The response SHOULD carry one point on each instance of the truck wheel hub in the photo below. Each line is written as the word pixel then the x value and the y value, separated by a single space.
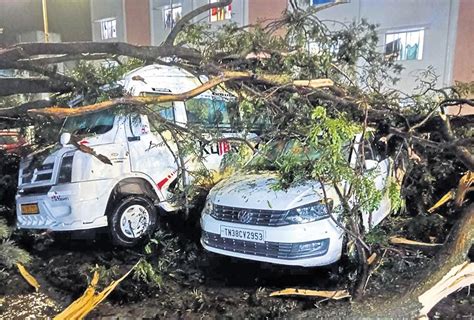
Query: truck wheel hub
pixel 135 221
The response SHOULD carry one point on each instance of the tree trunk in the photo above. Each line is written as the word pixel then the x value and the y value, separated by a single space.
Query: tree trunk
pixel 453 254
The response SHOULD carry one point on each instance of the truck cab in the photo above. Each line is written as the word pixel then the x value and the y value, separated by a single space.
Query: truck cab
pixel 66 189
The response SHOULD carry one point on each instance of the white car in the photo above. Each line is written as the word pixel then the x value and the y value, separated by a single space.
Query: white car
pixel 245 217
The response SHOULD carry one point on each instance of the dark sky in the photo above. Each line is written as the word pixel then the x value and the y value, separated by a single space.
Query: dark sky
pixel 70 18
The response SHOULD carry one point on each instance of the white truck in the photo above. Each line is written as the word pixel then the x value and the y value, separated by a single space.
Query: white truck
pixel 70 190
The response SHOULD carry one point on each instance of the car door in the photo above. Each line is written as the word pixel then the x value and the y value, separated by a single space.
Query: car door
pixel 380 168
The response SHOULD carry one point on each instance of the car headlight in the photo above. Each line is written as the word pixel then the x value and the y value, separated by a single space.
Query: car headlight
pixel 309 213
pixel 208 208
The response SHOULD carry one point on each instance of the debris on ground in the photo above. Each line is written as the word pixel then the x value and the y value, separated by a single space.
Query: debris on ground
pixel 335 295
pixel 28 277
pixel 90 299
pixel 35 305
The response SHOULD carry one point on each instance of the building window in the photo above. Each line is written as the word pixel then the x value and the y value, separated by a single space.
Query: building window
pixel 171 16
pixel 220 14
pixel 406 45
pixel 108 29
pixel 321 2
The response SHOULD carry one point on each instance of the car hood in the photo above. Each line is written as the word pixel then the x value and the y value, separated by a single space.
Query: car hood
pixel 257 191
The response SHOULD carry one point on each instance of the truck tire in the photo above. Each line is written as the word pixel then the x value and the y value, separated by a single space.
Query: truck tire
pixel 132 221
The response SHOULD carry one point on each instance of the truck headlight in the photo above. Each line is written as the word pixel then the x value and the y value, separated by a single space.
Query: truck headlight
pixel 308 213
pixel 65 171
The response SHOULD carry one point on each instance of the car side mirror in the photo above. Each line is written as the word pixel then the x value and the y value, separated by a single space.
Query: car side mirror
pixel 65 138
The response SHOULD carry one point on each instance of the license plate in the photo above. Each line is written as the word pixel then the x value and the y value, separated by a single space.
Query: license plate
pixel 30 208
pixel 243 234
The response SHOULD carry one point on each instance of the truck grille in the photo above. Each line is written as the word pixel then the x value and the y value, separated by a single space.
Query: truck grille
pixel 277 250
pixel 257 217
pixel 42 174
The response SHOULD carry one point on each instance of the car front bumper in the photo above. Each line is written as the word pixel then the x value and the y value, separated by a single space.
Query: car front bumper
pixel 311 244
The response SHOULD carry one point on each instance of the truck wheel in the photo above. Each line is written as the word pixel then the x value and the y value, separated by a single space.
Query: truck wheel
pixel 132 221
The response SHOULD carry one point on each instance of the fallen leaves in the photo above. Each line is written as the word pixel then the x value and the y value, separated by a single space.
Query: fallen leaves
pixel 28 277
pixel 90 299
pixel 334 295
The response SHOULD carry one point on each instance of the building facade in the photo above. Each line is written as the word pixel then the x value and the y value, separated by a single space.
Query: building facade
pixel 420 33
pixel 148 22
pixel 22 20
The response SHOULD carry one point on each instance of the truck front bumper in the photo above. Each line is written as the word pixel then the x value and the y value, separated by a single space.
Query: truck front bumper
pixel 67 207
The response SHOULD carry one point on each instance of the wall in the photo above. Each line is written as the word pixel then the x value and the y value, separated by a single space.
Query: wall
pixel 464 51
pixel 103 9
pixel 438 17
pixel 262 10
pixel 240 14
pixel 70 19
pixel 137 14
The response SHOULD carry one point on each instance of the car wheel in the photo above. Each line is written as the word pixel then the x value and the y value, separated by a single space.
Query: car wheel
pixel 132 221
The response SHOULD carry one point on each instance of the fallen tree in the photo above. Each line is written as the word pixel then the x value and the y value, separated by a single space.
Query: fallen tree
pixel 276 77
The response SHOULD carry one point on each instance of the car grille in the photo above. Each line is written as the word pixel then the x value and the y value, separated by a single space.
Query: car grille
pixel 278 250
pixel 250 216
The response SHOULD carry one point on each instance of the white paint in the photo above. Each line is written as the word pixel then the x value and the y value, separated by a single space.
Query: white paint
pixel 251 192
pixel 135 150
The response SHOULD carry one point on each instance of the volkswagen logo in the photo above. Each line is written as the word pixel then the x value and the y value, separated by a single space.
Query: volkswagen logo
pixel 244 216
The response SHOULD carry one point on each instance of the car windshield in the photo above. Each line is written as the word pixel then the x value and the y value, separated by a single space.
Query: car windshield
pixel 94 123
pixel 268 157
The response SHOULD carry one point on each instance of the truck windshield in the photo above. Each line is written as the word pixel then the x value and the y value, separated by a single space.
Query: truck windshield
pixel 94 123
pixel 209 111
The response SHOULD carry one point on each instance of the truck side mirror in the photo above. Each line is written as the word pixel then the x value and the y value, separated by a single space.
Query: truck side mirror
pixel 65 138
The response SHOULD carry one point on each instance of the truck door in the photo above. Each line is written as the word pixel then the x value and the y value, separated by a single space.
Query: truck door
pixel 149 155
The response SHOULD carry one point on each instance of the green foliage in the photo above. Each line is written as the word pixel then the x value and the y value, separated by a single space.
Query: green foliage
pixel 106 275
pixel 4 229
pixel 377 236
pixel 10 254
pixel 95 76
pixel 145 272
pixel 394 194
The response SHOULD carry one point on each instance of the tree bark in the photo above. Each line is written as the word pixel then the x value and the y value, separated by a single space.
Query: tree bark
pixel 23 108
pixel 143 100
pixel 9 86
pixel 452 254
pixel 147 53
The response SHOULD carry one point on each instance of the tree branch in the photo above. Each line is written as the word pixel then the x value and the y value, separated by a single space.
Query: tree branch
pixel 28 66
pixel 9 86
pixel 143 100
pixel 23 108
pixel 188 17
pixel 68 57
pixel 148 53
